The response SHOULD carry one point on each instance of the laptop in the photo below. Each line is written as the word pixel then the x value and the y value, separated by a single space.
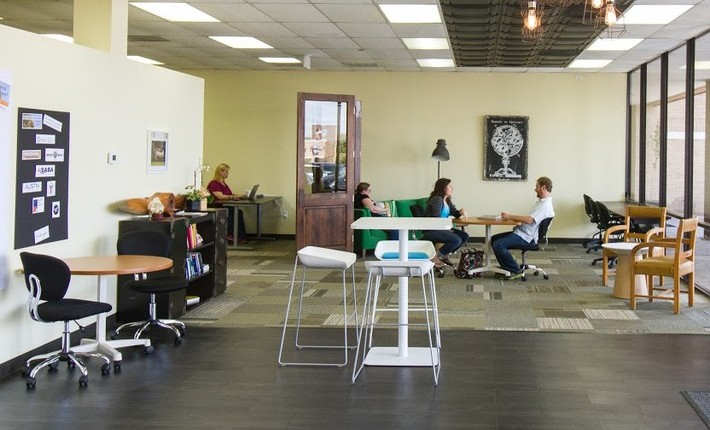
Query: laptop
pixel 252 194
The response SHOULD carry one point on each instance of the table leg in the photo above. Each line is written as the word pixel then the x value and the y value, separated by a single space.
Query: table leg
pixel 100 344
pixel 622 288
pixel 402 355
pixel 488 267
pixel 235 230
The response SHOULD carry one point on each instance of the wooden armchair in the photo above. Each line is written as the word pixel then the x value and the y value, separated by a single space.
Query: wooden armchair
pixel 679 262
pixel 641 224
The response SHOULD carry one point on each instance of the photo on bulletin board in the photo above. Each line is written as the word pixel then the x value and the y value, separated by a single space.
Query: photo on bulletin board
pixel 506 148
pixel 157 151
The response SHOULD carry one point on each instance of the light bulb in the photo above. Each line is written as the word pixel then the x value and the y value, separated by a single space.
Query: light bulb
pixel 610 16
pixel 531 21
pixel 596 4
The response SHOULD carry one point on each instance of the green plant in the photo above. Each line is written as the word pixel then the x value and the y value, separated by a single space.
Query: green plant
pixel 194 193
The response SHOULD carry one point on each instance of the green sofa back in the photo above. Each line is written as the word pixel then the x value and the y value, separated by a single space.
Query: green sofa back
pixel 402 206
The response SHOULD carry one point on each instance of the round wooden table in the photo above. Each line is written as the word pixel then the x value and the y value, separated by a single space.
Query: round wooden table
pixel 112 265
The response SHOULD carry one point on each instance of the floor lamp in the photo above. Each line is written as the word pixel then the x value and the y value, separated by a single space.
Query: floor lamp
pixel 440 154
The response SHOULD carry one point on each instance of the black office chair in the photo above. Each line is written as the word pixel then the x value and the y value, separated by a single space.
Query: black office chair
pixel 539 245
pixel 156 243
pixel 47 279
pixel 590 209
pixel 605 220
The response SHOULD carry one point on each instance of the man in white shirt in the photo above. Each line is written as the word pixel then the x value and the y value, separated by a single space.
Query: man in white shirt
pixel 526 232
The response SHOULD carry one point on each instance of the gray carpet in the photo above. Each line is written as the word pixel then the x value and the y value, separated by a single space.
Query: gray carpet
pixel 572 300
pixel 700 401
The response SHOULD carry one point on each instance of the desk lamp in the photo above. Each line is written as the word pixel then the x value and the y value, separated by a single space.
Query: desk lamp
pixel 440 154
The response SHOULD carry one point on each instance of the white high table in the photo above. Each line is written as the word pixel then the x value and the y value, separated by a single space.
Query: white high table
pixel 402 354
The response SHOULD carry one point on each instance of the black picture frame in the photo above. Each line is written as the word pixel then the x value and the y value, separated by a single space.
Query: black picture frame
pixel 506 148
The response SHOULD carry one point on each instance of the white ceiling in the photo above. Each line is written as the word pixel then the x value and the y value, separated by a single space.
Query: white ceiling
pixel 338 35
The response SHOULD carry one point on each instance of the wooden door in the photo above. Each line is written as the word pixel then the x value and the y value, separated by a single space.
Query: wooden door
pixel 326 148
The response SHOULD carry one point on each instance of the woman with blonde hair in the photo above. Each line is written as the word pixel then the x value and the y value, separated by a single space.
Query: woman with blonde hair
pixel 221 193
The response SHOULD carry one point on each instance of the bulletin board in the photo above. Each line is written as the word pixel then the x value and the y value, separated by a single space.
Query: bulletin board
pixel 42 186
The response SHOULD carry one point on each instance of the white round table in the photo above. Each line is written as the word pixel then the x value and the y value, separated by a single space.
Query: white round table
pixel 622 289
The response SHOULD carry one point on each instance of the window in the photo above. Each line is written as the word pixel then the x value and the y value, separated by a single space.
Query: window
pixel 675 162
pixel 653 133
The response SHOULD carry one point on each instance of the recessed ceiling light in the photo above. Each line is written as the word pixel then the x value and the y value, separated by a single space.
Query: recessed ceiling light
pixel 280 60
pixel 411 13
pixel 175 12
pixel 426 43
pixel 654 14
pixel 60 37
pixel 613 44
pixel 588 64
pixel 143 60
pixel 241 42
pixel 436 62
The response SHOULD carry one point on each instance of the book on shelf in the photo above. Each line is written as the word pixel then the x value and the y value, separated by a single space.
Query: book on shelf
pixel 193 264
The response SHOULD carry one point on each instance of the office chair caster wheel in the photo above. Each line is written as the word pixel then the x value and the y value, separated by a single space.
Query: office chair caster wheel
pixel 106 369
pixel 114 336
pixel 116 367
pixel 52 367
pixel 594 263
pixel 182 332
pixel 149 349
pixel 545 277
pixel 83 381
pixel 178 340
pixel 70 364
pixel 25 371
pixel 31 383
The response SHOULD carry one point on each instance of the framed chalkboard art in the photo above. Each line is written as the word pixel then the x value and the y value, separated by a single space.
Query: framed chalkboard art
pixel 506 148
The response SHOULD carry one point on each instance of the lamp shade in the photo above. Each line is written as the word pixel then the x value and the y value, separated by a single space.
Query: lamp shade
pixel 440 152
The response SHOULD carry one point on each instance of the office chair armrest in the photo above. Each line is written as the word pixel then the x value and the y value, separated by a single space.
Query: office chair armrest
pixel 655 233
pixel 653 244
pixel 611 230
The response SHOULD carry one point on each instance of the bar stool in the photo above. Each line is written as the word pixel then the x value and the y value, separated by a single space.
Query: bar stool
pixel 415 268
pixel 417 250
pixel 313 257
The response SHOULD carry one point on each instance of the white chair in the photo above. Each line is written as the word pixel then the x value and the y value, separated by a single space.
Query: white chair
pixel 313 257
pixel 418 250
pixel 415 268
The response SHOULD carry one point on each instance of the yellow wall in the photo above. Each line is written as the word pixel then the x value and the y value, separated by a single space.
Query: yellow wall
pixel 577 135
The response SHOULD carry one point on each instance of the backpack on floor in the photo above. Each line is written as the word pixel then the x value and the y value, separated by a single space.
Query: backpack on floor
pixel 471 258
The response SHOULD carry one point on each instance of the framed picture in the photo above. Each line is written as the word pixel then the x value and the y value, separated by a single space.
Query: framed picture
pixel 157 151
pixel 506 148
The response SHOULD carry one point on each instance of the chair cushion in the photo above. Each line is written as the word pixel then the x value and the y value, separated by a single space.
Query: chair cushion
pixel 70 309
pixel 157 285
pixel 412 256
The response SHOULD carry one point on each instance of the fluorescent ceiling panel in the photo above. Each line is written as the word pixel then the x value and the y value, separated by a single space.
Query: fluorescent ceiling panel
pixel 654 14
pixel 241 42
pixel 280 60
pixel 588 64
pixel 175 12
pixel 411 13
pixel 144 60
pixel 613 44
pixel 426 42
pixel 436 62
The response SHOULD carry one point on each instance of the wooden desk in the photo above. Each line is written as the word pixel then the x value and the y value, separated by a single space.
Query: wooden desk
pixel 402 355
pixel 258 202
pixel 112 265
pixel 488 222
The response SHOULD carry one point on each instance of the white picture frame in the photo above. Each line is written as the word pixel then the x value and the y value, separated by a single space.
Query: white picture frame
pixel 157 151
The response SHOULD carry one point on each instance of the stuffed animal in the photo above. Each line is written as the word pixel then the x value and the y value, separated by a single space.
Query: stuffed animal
pixel 139 206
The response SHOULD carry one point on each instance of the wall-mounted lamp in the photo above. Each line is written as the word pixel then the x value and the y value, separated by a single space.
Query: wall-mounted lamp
pixel 440 154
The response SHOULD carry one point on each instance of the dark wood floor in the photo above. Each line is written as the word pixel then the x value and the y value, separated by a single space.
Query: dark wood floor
pixel 229 379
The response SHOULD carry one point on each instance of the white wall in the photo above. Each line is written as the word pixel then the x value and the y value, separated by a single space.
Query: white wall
pixel 113 102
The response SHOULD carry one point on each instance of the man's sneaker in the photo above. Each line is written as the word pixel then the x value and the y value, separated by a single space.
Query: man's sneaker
pixel 515 276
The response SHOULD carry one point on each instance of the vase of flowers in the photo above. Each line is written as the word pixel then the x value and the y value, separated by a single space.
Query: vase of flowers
pixel 194 198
